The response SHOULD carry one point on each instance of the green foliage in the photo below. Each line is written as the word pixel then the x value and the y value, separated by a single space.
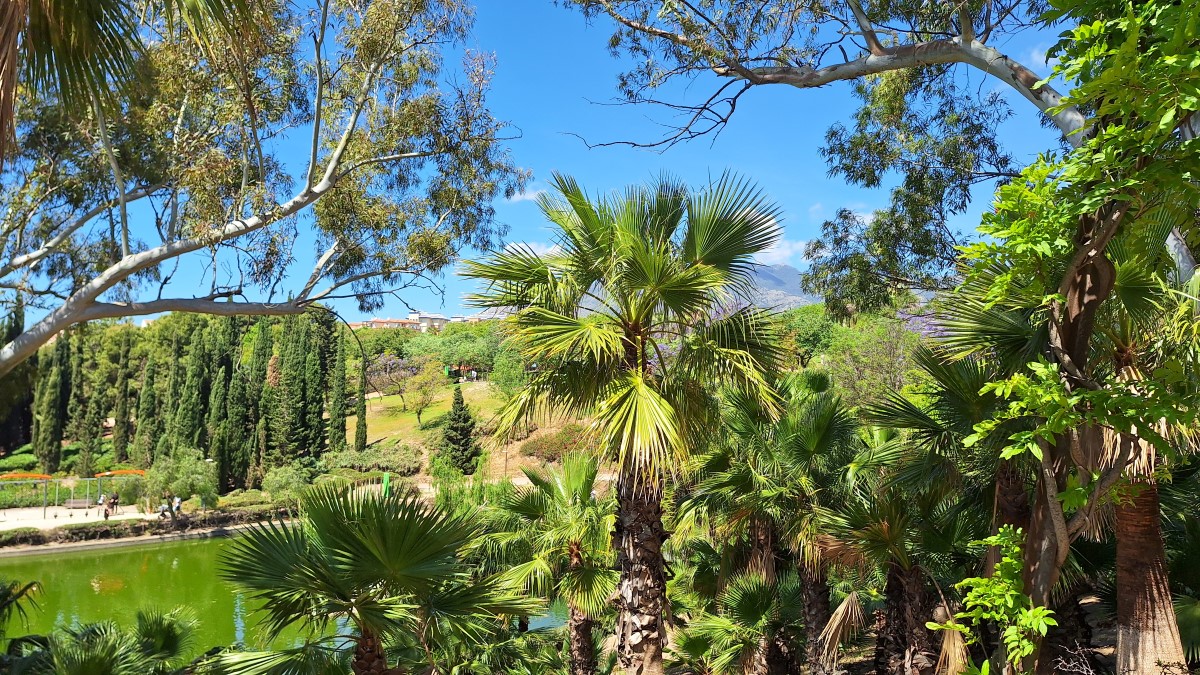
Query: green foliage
pixel 286 484
pixel 459 441
pixel 22 462
pixel 508 374
pixel 1042 396
pixel 375 566
pixel 391 455
pixel 183 473
pixel 806 332
pixel 872 356
pixel 1000 600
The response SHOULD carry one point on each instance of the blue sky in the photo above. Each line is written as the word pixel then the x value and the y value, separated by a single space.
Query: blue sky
pixel 554 77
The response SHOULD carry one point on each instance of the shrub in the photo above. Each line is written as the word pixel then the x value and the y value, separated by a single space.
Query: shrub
pixel 393 456
pixel 285 484
pixel 550 447
pixel 459 443
pixel 18 463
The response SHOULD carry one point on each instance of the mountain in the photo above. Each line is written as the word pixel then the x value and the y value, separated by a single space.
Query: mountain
pixel 778 287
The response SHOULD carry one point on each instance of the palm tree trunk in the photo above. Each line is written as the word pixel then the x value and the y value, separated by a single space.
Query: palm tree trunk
pixel 579 637
pixel 642 589
pixel 817 611
pixel 1147 635
pixel 762 562
pixel 369 656
pixel 904 646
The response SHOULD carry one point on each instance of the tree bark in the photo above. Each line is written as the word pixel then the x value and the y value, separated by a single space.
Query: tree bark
pixel 642 589
pixel 904 646
pixel 762 562
pixel 369 656
pixel 1148 640
pixel 579 635
pixel 817 611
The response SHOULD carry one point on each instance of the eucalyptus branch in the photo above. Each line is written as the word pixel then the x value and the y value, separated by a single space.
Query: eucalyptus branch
pixel 57 240
pixel 318 103
pixel 118 177
pixel 867 28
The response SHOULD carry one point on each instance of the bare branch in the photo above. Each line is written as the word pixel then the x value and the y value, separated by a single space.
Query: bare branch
pixel 868 30
pixel 64 234
pixel 319 56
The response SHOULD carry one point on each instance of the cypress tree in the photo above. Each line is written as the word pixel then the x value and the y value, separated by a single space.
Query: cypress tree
pixel 17 389
pixel 216 426
pixel 360 409
pixel 458 440
pixel 255 444
pixel 236 428
pixel 148 425
pixel 337 398
pixel 91 430
pixel 188 427
pixel 165 414
pixel 314 400
pixel 73 382
pixel 291 419
pixel 216 423
pixel 120 437
pixel 51 405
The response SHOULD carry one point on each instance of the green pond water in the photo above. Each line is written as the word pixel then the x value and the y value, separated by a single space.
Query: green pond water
pixel 112 584
pixel 104 584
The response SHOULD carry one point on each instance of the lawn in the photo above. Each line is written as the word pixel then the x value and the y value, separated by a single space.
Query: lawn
pixel 386 417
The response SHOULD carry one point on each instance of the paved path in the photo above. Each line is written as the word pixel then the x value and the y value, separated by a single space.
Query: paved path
pixel 57 516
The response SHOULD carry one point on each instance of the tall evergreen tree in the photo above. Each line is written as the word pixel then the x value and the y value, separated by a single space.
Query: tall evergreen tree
pixel 51 405
pixel 188 427
pixel 360 408
pixel 91 429
pixel 17 390
pixel 175 381
pixel 458 439
pixel 76 401
pixel 255 446
pixel 120 434
pixel 223 334
pixel 238 428
pixel 337 397
pixel 289 414
pixel 314 399
pixel 148 422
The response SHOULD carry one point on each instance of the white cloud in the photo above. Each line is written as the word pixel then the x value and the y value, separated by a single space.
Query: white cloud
pixel 784 252
pixel 1038 60
pixel 527 196
pixel 538 247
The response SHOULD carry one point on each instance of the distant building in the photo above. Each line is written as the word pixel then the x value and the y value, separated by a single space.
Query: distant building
pixel 386 323
pixel 428 322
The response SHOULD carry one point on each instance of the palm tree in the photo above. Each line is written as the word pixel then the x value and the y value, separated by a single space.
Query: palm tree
pixel 159 644
pixel 560 528
pixel 1148 325
pixel 85 50
pixel 762 483
pixel 633 321
pixel 750 611
pixel 386 566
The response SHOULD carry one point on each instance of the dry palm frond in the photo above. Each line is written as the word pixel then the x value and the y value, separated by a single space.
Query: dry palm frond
pixel 954 658
pixel 844 624
pixel 13 16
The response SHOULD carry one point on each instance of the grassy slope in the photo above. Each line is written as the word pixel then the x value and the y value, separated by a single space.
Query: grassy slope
pixel 387 419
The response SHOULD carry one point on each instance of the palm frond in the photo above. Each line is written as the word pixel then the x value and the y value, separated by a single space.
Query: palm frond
pixel 844 623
